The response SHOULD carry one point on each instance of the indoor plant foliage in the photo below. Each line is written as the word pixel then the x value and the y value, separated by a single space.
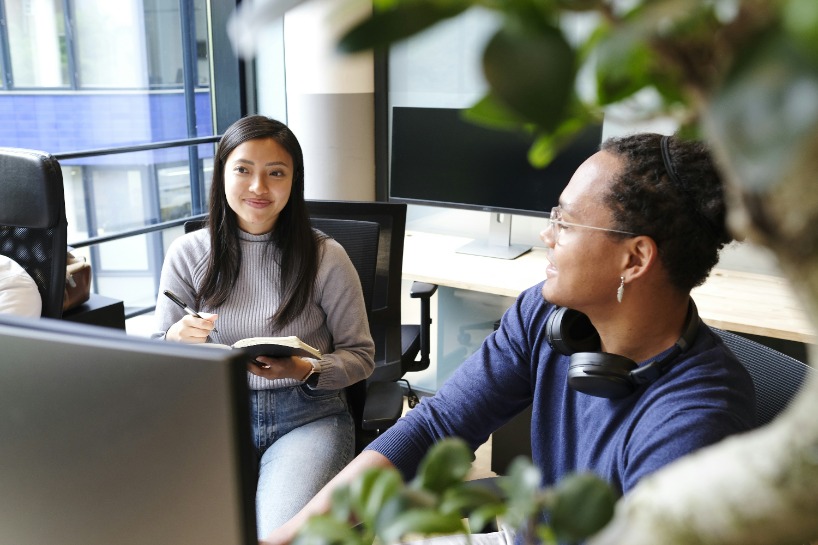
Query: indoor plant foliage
pixel 743 75
pixel 440 501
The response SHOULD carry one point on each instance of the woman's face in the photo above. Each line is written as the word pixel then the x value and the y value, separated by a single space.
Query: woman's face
pixel 585 264
pixel 258 179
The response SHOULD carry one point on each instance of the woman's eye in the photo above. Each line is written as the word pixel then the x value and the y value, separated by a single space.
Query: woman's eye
pixel 240 169
pixel 277 173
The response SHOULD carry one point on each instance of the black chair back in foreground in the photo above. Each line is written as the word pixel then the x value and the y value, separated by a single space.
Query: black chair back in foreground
pixel 33 228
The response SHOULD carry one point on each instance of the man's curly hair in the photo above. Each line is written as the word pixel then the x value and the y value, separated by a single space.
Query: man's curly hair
pixel 683 212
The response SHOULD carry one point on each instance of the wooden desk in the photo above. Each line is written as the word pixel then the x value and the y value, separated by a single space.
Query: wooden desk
pixel 737 301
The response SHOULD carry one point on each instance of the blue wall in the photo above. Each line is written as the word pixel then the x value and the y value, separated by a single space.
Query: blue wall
pixel 61 122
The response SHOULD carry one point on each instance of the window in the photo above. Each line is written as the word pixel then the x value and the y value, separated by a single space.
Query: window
pixel 36 41
pixel 81 75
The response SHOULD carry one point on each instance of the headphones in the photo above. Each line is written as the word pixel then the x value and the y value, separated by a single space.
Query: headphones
pixel 602 374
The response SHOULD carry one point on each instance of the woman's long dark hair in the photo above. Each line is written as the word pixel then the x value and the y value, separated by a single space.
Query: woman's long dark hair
pixel 292 233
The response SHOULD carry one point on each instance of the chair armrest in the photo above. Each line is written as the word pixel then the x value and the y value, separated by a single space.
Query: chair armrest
pixel 422 290
pixel 383 405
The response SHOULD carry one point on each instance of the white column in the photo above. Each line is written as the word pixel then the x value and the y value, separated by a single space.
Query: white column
pixel 330 100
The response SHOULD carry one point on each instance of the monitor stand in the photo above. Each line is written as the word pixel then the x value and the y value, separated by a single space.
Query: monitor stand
pixel 499 242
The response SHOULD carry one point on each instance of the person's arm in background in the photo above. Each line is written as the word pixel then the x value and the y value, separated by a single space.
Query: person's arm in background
pixel 321 502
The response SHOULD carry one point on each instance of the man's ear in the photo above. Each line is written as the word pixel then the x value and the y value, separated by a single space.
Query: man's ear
pixel 641 257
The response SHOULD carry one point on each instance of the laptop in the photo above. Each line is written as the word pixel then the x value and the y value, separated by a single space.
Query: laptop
pixel 109 438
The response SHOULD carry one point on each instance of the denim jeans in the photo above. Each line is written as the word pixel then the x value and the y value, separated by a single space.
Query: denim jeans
pixel 303 438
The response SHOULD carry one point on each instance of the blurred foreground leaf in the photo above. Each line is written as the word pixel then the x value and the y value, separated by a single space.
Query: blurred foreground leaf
pixel 582 505
pixel 531 72
pixel 401 21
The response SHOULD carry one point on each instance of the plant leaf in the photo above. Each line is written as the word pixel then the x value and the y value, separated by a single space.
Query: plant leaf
pixel 326 530
pixel 531 71
pixel 447 462
pixel 467 497
pixel 422 522
pixel 583 504
pixel 490 112
pixel 403 20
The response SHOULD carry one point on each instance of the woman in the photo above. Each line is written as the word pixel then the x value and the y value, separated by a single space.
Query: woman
pixel 640 223
pixel 259 269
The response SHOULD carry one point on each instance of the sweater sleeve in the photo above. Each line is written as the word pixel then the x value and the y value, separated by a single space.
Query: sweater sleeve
pixel 340 296
pixel 184 257
pixel 484 392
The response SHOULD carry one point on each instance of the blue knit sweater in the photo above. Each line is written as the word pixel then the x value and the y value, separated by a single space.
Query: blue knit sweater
pixel 705 396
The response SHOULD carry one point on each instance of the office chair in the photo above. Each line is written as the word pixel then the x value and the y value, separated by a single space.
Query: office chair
pixel 777 379
pixel 399 348
pixel 776 376
pixel 33 228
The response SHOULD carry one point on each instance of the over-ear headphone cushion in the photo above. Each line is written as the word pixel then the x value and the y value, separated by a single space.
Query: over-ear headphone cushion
pixel 601 374
pixel 569 331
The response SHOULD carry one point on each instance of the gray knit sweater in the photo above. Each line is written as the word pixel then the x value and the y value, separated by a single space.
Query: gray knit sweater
pixel 334 322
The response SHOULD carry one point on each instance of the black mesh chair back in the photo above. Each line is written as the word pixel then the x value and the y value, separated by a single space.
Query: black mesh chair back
pixel 385 310
pixel 777 377
pixel 360 240
pixel 33 228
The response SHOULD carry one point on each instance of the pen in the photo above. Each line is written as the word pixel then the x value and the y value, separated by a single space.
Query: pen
pixel 172 296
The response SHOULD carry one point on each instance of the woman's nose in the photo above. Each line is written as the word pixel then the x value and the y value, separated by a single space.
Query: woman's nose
pixel 258 186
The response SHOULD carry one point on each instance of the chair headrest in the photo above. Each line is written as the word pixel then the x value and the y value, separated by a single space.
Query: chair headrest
pixel 31 189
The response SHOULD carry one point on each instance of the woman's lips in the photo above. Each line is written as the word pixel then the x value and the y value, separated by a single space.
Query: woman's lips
pixel 257 203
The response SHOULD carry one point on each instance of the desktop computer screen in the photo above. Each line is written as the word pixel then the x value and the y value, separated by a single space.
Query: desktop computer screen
pixel 106 438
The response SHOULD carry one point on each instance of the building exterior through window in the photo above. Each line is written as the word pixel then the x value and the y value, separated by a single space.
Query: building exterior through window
pixel 78 75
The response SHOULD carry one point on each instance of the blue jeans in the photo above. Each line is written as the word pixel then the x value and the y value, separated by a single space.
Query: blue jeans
pixel 303 438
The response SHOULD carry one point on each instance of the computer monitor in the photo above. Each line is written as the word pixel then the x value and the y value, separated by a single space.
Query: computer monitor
pixel 438 158
pixel 108 438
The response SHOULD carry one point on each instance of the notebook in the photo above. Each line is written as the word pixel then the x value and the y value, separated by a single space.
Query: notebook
pixel 109 438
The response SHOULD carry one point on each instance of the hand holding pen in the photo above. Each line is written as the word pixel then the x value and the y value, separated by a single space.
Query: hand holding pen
pixel 188 310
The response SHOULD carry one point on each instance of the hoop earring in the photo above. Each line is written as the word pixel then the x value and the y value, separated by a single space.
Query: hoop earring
pixel 620 291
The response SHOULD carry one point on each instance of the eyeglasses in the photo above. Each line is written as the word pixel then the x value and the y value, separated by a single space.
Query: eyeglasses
pixel 557 225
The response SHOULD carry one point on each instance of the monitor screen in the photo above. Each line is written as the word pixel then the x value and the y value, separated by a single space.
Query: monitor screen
pixel 109 438
pixel 440 159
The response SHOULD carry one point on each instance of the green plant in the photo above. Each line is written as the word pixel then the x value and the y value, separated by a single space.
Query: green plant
pixel 439 501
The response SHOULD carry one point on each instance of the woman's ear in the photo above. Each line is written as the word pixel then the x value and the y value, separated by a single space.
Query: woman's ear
pixel 641 257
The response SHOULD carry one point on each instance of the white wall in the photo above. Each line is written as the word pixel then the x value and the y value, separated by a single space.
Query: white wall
pixel 329 102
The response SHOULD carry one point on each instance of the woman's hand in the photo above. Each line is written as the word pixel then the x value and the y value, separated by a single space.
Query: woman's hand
pixel 273 368
pixel 191 329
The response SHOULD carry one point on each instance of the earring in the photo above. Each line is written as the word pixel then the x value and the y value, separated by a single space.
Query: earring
pixel 620 291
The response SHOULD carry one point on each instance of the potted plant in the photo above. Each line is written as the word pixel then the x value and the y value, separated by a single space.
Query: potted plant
pixel 440 501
